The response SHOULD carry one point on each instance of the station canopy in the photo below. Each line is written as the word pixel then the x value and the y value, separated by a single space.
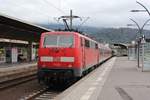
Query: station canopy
pixel 12 28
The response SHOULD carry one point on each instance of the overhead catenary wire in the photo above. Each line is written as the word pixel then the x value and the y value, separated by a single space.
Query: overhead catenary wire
pixel 38 10
pixel 79 26
pixel 58 9
pixel 17 5
pixel 45 4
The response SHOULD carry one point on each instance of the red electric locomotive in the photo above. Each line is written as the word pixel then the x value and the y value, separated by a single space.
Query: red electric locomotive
pixel 68 55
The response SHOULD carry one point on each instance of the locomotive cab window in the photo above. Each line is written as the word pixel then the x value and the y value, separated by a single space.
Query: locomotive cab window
pixel 58 41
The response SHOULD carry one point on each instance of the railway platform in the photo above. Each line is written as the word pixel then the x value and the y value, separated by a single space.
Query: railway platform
pixel 13 71
pixel 117 79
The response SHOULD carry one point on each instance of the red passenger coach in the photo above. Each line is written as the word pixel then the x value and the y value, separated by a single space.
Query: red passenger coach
pixel 67 54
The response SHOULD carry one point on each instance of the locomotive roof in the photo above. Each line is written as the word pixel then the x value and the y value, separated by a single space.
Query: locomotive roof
pixel 81 35
pixel 71 32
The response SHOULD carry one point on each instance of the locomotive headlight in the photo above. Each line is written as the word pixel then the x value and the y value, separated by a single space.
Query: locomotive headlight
pixel 46 59
pixel 70 66
pixel 43 66
pixel 67 59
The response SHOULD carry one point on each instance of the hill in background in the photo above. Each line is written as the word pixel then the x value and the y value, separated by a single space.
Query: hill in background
pixel 107 35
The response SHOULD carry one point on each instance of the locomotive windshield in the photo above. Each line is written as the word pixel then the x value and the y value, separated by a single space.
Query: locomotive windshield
pixel 58 41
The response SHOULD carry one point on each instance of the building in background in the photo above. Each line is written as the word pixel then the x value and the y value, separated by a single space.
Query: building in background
pixel 13 51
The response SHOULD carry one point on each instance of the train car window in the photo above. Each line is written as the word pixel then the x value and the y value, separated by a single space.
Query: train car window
pixel 87 43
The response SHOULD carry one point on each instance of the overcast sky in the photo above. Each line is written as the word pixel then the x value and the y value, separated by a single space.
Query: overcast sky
pixel 102 13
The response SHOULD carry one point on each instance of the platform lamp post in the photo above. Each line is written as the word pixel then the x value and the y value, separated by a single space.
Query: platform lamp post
pixel 143 41
pixel 140 30
pixel 138 42
pixel 146 10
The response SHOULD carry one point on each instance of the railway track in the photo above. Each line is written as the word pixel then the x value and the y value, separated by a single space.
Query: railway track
pixel 47 93
pixel 44 94
pixel 12 83
pixel 34 93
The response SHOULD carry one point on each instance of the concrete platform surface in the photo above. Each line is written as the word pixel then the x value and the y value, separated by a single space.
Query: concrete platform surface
pixel 89 87
pixel 117 79
pixel 125 82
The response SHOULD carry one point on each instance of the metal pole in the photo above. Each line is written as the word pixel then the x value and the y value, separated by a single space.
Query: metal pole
pixel 83 22
pixel 142 57
pixel 145 24
pixel 143 45
pixel 70 19
pixel 144 7
pixel 138 53
pixel 139 29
